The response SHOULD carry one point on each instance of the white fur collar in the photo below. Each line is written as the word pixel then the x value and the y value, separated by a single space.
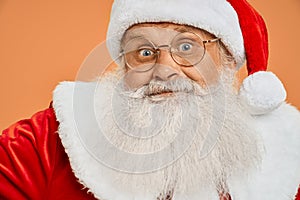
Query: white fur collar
pixel 277 179
pixel 279 176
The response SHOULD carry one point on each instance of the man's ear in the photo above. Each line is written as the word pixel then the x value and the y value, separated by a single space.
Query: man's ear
pixel 232 65
pixel 226 58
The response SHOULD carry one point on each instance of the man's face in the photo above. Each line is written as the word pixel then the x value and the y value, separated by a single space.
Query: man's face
pixel 172 127
pixel 142 39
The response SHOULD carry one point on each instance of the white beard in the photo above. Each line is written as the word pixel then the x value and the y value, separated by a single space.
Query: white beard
pixel 188 142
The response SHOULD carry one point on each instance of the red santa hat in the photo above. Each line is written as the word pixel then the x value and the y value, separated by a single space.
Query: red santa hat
pixel 236 22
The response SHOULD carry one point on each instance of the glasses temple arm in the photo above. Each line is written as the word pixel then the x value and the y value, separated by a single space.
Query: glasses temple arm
pixel 212 40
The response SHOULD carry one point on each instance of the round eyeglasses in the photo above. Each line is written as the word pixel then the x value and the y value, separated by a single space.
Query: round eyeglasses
pixel 187 49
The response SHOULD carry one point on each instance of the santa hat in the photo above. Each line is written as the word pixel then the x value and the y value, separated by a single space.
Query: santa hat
pixel 239 26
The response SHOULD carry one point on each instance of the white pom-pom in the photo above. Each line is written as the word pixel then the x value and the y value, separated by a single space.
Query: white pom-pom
pixel 262 92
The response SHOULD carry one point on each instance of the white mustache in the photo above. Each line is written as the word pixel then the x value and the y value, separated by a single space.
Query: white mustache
pixel 178 85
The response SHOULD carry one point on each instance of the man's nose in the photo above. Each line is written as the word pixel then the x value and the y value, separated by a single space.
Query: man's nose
pixel 166 68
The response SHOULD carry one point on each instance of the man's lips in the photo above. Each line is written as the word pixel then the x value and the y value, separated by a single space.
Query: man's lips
pixel 161 94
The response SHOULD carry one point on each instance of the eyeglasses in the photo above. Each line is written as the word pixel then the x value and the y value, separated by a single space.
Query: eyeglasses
pixel 186 49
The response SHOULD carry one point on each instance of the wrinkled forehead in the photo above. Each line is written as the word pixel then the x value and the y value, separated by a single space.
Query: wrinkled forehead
pixel 163 32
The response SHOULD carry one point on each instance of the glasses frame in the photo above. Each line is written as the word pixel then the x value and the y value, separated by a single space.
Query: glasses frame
pixel 157 50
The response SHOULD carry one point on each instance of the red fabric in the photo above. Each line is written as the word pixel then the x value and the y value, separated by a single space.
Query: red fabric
pixel 255 36
pixel 33 164
pixel 225 196
pixel 298 195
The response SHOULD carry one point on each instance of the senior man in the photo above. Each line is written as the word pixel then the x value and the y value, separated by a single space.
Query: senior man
pixel 169 121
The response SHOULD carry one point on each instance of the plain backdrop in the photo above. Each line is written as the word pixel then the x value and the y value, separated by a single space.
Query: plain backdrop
pixel 45 42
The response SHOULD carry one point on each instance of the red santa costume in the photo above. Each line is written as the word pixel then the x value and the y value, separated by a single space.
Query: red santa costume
pixel 47 157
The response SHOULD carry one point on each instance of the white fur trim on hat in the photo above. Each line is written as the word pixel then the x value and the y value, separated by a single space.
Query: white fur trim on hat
pixel 262 92
pixel 215 16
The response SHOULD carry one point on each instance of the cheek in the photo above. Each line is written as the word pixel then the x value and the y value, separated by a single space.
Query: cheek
pixel 205 73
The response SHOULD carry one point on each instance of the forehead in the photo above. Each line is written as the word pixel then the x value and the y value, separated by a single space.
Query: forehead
pixel 161 31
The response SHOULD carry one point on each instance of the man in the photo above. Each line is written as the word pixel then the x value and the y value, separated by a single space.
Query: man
pixel 168 123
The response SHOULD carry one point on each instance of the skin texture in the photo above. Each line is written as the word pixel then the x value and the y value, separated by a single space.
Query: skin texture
pixel 205 73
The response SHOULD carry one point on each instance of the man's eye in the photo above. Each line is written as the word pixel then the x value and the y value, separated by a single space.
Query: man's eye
pixel 146 52
pixel 185 47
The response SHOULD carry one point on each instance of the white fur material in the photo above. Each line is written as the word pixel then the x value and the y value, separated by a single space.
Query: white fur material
pixel 279 176
pixel 262 92
pixel 215 16
pixel 90 172
pixel 277 179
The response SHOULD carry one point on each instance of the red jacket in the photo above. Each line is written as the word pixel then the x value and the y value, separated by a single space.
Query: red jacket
pixel 34 165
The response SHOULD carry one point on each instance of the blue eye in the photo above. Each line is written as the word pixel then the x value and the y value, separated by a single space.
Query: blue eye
pixel 146 52
pixel 185 47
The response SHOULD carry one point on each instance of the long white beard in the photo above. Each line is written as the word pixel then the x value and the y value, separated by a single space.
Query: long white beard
pixel 185 143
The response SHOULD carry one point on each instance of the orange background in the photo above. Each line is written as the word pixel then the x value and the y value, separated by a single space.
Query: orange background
pixel 45 42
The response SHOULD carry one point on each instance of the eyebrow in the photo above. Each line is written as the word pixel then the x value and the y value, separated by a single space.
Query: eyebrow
pixel 182 29
pixel 140 34
pixel 132 36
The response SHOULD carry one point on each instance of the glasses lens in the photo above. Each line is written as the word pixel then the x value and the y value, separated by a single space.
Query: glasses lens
pixel 187 49
pixel 140 54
